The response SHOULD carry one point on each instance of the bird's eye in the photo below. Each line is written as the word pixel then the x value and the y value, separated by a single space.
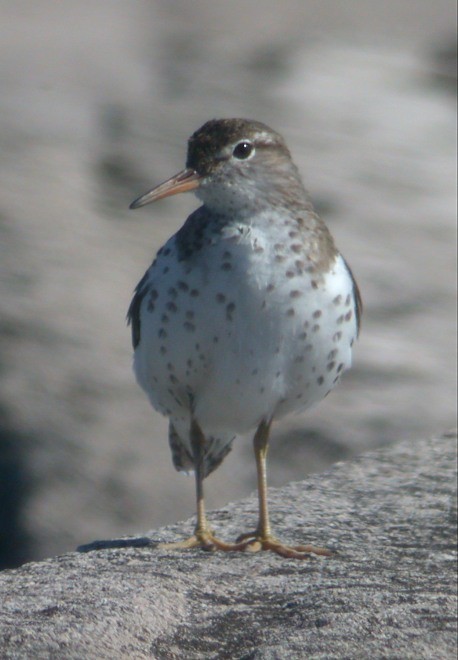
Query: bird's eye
pixel 243 150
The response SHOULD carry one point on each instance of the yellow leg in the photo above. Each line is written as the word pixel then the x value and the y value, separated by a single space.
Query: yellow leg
pixel 203 536
pixel 261 538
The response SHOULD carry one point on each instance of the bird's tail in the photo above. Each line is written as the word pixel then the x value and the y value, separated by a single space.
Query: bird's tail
pixel 216 449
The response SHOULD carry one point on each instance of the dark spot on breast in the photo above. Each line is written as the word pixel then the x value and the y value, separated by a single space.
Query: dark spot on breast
pixel 162 334
pixel 317 313
pixel 220 298
pixel 290 273
pixel 337 300
pixel 194 293
pixel 295 293
pixel 320 380
pixel 171 307
pixel 172 292
pixel 330 366
pixel 314 284
pixel 226 266
pixel 229 311
pixel 315 327
pixel 290 312
pixel 297 247
pixel 182 285
pixel 348 315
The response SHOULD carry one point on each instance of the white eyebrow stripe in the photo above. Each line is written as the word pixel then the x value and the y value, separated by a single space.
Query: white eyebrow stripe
pixel 263 136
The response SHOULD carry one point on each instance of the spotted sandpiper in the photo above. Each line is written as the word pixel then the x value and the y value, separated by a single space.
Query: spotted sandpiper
pixel 248 312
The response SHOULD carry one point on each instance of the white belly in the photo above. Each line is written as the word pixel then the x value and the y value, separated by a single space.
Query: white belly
pixel 238 336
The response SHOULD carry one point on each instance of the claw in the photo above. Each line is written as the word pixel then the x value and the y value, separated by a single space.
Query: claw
pixel 248 542
pixel 255 541
pixel 205 540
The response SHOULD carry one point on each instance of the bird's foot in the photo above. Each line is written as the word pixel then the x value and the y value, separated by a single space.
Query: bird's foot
pixel 255 541
pixel 250 542
pixel 204 539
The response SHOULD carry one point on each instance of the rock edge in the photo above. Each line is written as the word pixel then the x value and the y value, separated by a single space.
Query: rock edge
pixel 390 591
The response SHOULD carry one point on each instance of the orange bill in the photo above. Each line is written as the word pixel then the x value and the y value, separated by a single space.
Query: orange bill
pixel 184 181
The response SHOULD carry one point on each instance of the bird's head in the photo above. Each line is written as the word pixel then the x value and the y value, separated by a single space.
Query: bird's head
pixel 233 164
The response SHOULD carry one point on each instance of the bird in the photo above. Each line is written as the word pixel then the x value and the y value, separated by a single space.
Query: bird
pixel 248 312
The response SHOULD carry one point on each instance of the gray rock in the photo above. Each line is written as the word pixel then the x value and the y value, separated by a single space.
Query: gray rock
pixel 388 592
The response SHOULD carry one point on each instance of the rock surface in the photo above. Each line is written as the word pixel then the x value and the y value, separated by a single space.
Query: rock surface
pixel 389 591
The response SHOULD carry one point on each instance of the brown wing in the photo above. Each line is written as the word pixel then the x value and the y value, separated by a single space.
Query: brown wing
pixel 133 313
pixel 358 299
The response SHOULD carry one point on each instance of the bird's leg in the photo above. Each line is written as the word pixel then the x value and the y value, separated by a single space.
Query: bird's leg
pixel 202 531
pixel 203 536
pixel 262 532
pixel 261 538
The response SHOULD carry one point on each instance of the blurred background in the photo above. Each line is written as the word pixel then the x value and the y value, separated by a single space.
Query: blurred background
pixel 97 101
